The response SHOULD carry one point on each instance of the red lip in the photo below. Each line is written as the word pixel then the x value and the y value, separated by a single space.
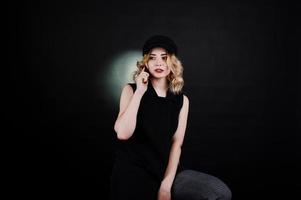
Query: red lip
pixel 159 70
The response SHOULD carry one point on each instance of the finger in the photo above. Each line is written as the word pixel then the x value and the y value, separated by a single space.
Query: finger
pixel 145 74
pixel 143 69
pixel 145 79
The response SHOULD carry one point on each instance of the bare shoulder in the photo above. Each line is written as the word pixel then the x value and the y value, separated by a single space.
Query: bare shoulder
pixel 126 95
pixel 127 90
pixel 185 100
pixel 127 87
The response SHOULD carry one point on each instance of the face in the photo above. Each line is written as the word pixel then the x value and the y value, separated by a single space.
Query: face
pixel 157 65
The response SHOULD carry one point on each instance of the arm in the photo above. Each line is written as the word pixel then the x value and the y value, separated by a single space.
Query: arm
pixel 128 108
pixel 175 152
pixel 129 103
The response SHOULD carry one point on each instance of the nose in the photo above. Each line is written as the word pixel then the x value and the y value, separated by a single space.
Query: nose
pixel 159 62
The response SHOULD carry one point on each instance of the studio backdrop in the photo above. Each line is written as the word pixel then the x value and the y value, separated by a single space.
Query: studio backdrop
pixel 71 59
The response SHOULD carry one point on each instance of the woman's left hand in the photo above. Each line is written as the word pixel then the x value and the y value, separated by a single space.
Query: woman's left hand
pixel 164 191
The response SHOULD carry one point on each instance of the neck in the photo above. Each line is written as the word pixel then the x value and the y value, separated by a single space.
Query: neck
pixel 160 84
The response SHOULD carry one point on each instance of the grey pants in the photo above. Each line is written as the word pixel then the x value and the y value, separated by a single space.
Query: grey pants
pixel 194 185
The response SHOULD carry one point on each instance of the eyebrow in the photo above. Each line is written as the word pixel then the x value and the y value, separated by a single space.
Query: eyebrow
pixel 163 54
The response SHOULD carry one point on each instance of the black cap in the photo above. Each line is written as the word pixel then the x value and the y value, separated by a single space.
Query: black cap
pixel 160 41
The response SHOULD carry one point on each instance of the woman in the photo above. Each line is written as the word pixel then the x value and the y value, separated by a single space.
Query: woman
pixel 150 125
pixel 150 129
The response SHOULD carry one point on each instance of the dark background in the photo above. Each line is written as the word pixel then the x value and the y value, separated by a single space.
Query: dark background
pixel 240 69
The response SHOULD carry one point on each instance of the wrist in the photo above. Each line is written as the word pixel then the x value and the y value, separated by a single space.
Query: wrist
pixel 139 93
pixel 167 183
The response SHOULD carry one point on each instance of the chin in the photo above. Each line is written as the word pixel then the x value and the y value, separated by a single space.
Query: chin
pixel 157 76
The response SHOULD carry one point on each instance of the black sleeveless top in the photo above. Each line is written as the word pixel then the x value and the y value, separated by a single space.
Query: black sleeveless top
pixel 157 121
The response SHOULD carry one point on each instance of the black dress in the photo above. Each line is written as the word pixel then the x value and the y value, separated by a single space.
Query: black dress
pixel 141 161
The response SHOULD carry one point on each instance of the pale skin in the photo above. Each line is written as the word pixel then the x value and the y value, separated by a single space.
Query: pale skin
pixel 129 104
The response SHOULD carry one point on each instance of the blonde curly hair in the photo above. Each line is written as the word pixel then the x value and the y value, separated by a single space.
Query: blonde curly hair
pixel 175 77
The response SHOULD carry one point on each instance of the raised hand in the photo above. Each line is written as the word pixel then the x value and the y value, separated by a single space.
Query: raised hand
pixel 142 81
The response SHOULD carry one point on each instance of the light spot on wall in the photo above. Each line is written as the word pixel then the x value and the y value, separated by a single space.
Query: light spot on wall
pixel 117 73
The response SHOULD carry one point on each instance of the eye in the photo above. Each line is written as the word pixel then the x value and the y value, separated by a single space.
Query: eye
pixel 152 58
pixel 164 58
